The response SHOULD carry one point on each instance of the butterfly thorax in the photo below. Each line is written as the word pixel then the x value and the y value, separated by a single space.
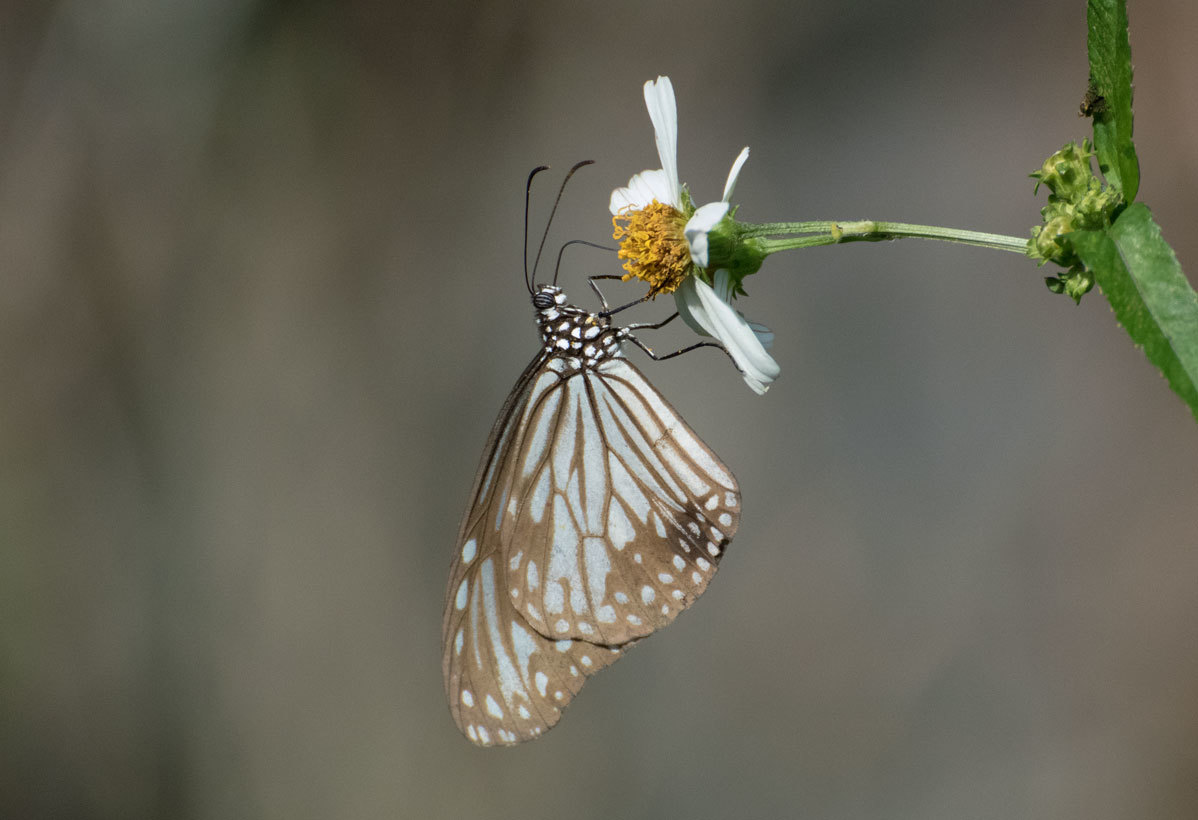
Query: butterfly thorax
pixel 583 339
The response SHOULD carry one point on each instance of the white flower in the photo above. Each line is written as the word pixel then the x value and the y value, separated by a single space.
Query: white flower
pixel 654 206
pixel 662 184
pixel 708 312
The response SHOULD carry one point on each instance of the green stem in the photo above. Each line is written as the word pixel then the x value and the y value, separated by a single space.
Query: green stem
pixel 834 233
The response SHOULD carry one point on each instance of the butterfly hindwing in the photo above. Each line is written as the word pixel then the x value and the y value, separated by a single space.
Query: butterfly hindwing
pixel 627 517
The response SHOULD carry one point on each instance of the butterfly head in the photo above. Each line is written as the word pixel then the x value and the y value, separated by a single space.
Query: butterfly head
pixel 548 297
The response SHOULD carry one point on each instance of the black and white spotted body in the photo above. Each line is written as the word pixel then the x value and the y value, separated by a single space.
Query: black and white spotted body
pixel 581 338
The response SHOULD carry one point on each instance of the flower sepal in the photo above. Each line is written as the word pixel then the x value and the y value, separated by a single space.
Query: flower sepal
pixel 730 250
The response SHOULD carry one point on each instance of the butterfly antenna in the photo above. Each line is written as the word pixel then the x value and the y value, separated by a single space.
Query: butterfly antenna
pixel 576 242
pixel 527 195
pixel 560 190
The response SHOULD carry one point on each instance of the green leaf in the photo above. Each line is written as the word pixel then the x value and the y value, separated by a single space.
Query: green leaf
pixel 1110 76
pixel 1141 278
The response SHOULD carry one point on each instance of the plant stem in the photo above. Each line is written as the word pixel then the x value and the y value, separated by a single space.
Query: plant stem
pixel 834 233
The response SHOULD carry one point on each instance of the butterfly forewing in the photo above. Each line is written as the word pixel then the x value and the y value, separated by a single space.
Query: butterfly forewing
pixel 597 516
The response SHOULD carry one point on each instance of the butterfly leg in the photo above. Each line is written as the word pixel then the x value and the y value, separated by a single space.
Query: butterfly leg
pixel 653 325
pixel 599 293
pixel 661 357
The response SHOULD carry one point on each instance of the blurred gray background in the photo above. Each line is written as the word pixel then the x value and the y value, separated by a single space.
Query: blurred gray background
pixel 260 300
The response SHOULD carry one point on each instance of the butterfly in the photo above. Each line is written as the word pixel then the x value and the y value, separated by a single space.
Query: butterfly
pixel 597 515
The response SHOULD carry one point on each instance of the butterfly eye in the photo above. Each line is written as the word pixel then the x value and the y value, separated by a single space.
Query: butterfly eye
pixel 543 301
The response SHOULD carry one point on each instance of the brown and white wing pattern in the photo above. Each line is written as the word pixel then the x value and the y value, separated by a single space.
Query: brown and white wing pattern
pixel 598 515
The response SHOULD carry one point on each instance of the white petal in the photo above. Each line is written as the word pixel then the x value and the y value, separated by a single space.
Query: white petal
pixel 763 334
pixel 730 185
pixel 702 221
pixel 701 308
pixel 642 189
pixel 722 283
pixel 686 300
pixel 663 111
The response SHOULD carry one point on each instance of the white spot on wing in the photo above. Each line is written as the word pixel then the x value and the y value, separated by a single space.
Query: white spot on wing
pixel 563 562
pixel 594 470
pixel 499 509
pixel 626 488
pixel 540 496
pixel 525 646
pixel 468 698
pixel 469 550
pixel 460 601
pixel 493 708
pixel 704 459
pixel 682 468
pixel 679 563
pixel 640 398
pixel 509 679
pixel 542 680
pixel 567 432
pixel 725 520
pixel 619 528
pixel 626 439
pixel 598 565
pixel 648 594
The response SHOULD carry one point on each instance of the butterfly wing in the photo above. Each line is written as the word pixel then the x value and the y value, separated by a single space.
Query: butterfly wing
pixel 597 516
pixel 627 516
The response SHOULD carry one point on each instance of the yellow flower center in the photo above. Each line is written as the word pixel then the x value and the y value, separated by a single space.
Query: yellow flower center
pixel 654 245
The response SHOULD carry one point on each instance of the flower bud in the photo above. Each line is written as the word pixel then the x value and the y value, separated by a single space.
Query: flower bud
pixel 1067 172
pixel 1078 283
pixel 1046 240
